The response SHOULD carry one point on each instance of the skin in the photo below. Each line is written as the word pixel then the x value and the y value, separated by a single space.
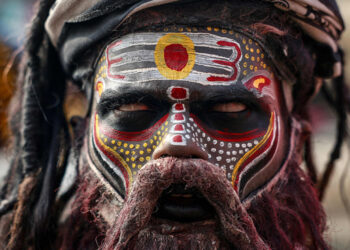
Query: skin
pixel 188 93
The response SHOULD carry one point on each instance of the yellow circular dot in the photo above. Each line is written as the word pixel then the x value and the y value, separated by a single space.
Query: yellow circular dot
pixel 133 152
pixel 113 141
pixel 163 133
pixel 250 41
pixel 244 41
pixel 230 32
pixel 155 137
pixel 166 123
pixel 148 158
pixel 258 51
pixel 247 47
pixel 119 143
pixel 264 66
pixel 224 31
pixel 125 145
pixel 188 29
pixel 142 159
pixel 149 150
pixel 133 165
pixel 258 59
pixel 105 140
pixel 139 166
pixel 131 146
pixel 181 29
pixel 209 28
pixel 158 132
pixel 245 72
pixel 245 64
pixel 151 141
pixel 246 56
pixel 127 159
pixel 127 152
pixel 145 144
pixel 261 63
pixel 262 55
pixel 160 138
pixel 166 129
pixel 137 146
pixel 252 58
pixel 134 172
pixel 157 143
pixel 141 152
pixel 216 29
pixel 251 67
pixel 121 150
pixel 132 158
pixel 154 147
pixel 114 148
pixel 255 68
pixel 251 50
pixel 162 128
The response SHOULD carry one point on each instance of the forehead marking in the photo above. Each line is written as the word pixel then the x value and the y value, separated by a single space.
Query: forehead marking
pixel 175 56
pixel 233 64
pixel 178 93
pixel 110 61
pixel 194 57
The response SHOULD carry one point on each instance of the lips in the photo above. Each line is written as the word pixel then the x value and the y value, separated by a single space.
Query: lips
pixel 184 205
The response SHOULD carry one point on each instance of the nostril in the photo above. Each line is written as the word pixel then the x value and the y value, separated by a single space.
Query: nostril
pixel 193 156
pixel 164 156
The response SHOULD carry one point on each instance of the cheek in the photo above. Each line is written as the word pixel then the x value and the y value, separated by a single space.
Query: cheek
pixel 128 151
pixel 238 154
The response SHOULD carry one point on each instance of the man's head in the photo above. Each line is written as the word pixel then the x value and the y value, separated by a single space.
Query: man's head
pixel 195 126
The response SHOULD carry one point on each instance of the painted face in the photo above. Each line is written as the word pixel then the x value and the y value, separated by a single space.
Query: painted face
pixel 198 93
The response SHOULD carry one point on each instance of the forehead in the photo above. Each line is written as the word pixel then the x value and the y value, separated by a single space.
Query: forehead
pixel 207 57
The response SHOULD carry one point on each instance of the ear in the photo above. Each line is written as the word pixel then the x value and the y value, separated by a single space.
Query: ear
pixel 75 108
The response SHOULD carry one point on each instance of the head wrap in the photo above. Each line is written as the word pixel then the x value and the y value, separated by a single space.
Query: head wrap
pixel 74 26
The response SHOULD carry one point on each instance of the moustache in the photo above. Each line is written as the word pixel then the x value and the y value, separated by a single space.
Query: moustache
pixel 156 176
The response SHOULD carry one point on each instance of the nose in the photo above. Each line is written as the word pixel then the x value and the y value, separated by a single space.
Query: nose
pixel 182 149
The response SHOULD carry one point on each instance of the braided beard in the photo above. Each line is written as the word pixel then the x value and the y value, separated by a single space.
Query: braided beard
pixel 288 215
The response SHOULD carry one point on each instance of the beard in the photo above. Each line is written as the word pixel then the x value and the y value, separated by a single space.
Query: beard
pixel 288 215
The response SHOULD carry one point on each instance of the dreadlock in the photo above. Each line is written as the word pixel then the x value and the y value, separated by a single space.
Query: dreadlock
pixel 42 143
pixel 38 145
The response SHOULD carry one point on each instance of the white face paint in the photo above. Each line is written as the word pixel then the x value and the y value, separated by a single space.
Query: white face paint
pixel 207 95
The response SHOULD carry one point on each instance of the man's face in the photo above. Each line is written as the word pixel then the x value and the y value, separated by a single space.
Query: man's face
pixel 187 93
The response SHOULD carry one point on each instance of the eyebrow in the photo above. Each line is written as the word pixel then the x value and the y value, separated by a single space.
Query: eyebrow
pixel 112 99
pixel 236 91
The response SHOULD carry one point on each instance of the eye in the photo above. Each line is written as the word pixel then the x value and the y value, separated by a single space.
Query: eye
pixel 231 107
pixel 133 107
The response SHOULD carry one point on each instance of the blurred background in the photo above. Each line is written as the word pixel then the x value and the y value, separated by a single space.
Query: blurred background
pixel 14 19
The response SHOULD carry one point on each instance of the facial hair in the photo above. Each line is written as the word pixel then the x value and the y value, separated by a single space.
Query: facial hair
pixel 289 214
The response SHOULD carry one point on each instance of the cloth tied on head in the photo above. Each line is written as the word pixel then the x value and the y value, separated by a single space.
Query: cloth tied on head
pixel 75 26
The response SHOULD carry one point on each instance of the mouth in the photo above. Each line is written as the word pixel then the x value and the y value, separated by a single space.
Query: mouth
pixel 178 203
